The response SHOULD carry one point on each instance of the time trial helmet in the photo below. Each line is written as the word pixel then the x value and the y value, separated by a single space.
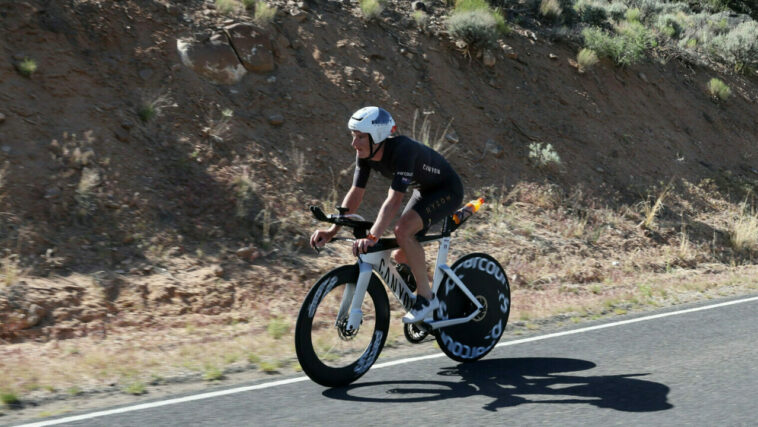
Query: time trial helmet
pixel 374 121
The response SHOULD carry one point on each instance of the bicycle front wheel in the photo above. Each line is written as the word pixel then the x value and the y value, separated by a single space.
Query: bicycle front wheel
pixel 328 353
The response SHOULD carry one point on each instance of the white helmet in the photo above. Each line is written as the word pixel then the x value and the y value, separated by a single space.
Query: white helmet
pixel 374 121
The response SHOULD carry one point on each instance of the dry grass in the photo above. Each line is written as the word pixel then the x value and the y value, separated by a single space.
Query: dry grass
pixel 218 125
pixel 228 7
pixel 246 188
pixel 3 176
pixel 423 134
pixel 152 106
pixel 551 9
pixel 9 270
pixel 133 361
pixel 651 209
pixel 743 232
pixel 586 58
pixel 371 9
pixel 264 14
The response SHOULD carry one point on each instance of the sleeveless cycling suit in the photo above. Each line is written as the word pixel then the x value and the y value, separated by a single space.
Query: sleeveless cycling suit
pixel 438 190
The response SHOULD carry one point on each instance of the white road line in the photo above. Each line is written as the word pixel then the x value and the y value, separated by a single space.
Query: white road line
pixel 377 366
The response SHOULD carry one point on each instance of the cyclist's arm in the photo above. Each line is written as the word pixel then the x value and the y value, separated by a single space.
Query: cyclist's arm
pixel 389 209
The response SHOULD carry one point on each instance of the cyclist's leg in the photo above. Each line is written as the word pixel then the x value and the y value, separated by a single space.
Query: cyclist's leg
pixel 407 226
pixel 399 254
pixel 423 210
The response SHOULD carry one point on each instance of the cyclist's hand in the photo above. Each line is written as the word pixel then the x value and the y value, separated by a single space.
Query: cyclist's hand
pixel 360 246
pixel 320 238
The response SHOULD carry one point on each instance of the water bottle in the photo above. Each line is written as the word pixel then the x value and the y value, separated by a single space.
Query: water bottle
pixel 466 211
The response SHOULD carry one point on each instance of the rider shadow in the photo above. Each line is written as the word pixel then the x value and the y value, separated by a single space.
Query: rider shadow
pixel 512 382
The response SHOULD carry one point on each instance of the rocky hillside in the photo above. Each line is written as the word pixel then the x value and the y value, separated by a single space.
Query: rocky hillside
pixel 159 157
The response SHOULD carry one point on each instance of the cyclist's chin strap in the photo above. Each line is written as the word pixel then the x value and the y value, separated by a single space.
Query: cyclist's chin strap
pixel 371 148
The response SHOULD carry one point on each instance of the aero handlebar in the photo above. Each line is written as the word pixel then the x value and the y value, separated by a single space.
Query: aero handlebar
pixel 360 228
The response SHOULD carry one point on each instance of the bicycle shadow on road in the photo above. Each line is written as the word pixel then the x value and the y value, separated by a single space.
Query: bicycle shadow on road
pixel 512 382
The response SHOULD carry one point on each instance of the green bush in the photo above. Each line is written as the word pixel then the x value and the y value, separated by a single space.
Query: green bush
pixel 639 37
pixel 474 5
pixel 551 9
pixel 371 9
pixel 719 89
pixel 617 11
pixel 8 398
pixel 669 25
pixel 264 14
pixel 146 112
pixel 136 388
pixel 27 67
pixel 647 10
pixel 421 18
pixel 478 28
pixel 633 15
pixel 739 47
pixel 227 7
pixel 626 48
pixel 278 327
pixel 212 373
pixel 715 5
pixel 590 12
pixel 586 58
pixel 470 5
pixel 543 155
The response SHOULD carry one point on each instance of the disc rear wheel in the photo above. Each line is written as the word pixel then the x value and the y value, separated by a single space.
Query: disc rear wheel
pixel 486 280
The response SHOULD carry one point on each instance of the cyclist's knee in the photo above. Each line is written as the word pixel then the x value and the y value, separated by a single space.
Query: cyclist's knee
pixel 407 227
pixel 399 256
pixel 402 234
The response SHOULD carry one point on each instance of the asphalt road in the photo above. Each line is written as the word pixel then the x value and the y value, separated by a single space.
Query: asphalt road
pixel 693 368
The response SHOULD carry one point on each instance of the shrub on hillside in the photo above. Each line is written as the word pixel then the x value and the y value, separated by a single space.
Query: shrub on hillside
pixel 551 9
pixel 477 28
pixel 617 11
pixel 633 15
pixel 27 67
pixel 738 47
pixel 626 48
pixel 586 58
pixel 371 9
pixel 647 10
pixel 591 12
pixel 719 89
pixel 227 7
pixel 468 5
pixel 421 18
pixel 264 13
pixel 747 7
pixel 669 25
pixel 473 5
pixel 543 156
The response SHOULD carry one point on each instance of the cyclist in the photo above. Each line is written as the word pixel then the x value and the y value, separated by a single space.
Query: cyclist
pixel 437 193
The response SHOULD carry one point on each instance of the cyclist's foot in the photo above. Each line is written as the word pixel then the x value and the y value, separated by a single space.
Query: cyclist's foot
pixel 405 272
pixel 421 309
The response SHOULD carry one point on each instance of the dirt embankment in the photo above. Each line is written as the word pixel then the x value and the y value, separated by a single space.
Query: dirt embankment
pixel 129 181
